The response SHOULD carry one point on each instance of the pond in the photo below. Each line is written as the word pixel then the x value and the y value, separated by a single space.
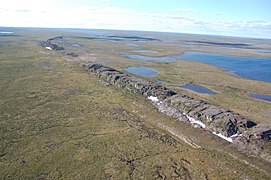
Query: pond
pixel 151 58
pixel 142 71
pixel 260 96
pixel 198 88
pixel 246 67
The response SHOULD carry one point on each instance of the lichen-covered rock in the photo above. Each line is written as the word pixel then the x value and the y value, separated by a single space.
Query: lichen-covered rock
pixel 253 142
pixel 259 132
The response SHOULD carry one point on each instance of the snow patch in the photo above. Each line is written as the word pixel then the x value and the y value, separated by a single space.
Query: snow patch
pixel 193 121
pixel 152 98
pixel 236 135
pixel 49 48
pixel 159 103
pixel 229 139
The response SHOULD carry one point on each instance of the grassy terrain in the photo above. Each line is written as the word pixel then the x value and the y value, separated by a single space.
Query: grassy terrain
pixel 59 122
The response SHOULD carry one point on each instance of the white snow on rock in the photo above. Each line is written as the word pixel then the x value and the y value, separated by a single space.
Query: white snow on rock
pixel 49 48
pixel 229 139
pixel 152 98
pixel 236 135
pixel 193 121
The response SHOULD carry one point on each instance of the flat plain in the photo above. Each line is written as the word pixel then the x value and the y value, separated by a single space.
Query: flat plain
pixel 59 122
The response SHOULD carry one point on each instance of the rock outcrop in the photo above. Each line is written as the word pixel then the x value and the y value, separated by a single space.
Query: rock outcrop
pixel 72 54
pixel 222 122
pixel 56 44
pixel 52 46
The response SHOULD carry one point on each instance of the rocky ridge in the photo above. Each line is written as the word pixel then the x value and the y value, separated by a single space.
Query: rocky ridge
pixel 52 46
pixel 243 133
pixel 56 44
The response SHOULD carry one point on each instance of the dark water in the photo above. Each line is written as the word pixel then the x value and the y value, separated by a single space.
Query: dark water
pixel 246 67
pixel 123 38
pixel 142 71
pixel 260 96
pixel 198 88
pixel 223 44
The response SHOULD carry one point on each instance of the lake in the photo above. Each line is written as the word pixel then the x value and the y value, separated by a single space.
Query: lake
pixel 260 96
pixel 151 58
pixel 142 71
pixel 246 67
pixel 198 88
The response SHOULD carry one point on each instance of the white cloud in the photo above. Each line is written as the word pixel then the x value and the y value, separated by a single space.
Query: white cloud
pixel 33 14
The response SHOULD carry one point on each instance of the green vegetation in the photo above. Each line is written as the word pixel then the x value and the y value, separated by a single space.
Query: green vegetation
pixel 59 122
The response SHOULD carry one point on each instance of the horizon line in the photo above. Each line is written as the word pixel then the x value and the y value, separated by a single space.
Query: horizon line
pixel 135 30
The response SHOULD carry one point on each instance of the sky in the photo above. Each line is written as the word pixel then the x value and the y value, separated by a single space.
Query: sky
pixel 244 18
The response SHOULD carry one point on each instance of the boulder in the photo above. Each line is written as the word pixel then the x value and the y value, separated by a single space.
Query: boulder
pixel 260 132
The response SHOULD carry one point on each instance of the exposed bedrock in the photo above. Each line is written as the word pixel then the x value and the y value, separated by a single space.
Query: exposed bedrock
pixel 56 44
pixel 222 122
pixel 52 46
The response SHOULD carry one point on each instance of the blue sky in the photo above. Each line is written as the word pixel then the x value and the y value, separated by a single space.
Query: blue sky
pixel 245 18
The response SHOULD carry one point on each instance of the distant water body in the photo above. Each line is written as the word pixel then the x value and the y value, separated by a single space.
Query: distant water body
pixel 145 51
pixel 198 88
pixel 261 96
pixel 246 67
pixel 142 71
pixel 2 32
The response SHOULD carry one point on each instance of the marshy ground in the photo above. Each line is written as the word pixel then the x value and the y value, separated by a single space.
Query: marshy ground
pixel 57 121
